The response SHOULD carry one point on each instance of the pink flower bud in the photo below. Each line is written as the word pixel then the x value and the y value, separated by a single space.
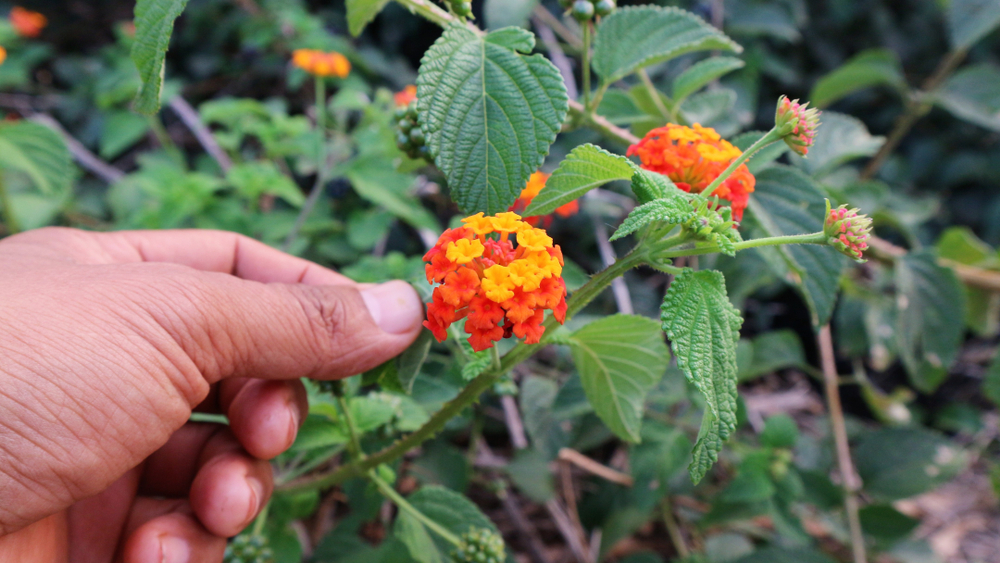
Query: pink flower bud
pixel 847 231
pixel 798 123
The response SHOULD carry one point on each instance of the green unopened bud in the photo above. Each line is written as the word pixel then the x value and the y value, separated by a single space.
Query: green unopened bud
pixel 798 123
pixel 248 548
pixel 847 230
pixel 480 545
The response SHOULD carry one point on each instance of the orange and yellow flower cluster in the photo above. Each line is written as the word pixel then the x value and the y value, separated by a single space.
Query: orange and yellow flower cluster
pixel 3 55
pixel 26 22
pixel 693 157
pixel 500 290
pixel 320 63
pixel 535 184
pixel 405 97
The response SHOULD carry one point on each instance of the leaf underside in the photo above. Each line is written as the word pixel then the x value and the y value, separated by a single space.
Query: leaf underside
pixel 154 22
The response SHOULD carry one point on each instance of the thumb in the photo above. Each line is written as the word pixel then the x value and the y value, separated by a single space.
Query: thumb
pixel 284 331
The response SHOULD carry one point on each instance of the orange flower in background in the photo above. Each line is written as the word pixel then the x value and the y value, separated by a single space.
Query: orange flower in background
pixel 693 157
pixel 498 288
pixel 26 22
pixel 535 184
pixel 320 63
pixel 3 55
pixel 405 96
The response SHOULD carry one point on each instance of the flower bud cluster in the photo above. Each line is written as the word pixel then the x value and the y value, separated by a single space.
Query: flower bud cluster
pixel 461 8
pixel 499 289
pixel 847 230
pixel 798 123
pixel 246 548
pixel 409 136
pixel 583 10
pixel 480 546
pixel 320 63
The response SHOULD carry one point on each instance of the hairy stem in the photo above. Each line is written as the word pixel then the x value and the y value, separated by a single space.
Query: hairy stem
pixel 673 529
pixel 9 219
pixel 654 94
pixel 355 444
pixel 770 137
pixel 852 483
pixel 585 61
pixel 404 505
pixel 811 238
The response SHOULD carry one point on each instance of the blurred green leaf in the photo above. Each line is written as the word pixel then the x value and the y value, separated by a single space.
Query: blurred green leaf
pixel 121 130
pixel 872 67
pixel 154 23
pixel 503 13
pixel 769 352
pixel 991 382
pixel 413 358
pixel 897 463
pixel 765 156
pixel 451 510
pixel 701 73
pixel 586 167
pixel 361 12
pixel 635 37
pixel 785 555
pixel 257 178
pixel 529 470
pixel 971 20
pixel 780 431
pixel 38 152
pixel 839 139
pixel 973 94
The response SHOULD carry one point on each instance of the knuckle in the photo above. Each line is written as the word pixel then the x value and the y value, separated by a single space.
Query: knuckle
pixel 326 317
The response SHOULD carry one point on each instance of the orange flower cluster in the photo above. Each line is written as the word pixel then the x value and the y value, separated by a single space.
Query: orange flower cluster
pixel 26 22
pixel 405 97
pixel 693 157
pixel 319 63
pixel 500 290
pixel 3 55
pixel 535 184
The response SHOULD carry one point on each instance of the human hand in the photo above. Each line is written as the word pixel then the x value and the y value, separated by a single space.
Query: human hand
pixel 108 342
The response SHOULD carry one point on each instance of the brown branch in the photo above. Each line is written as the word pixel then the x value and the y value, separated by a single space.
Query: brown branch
pixel 191 118
pixel 88 160
pixel 595 468
pixel 602 125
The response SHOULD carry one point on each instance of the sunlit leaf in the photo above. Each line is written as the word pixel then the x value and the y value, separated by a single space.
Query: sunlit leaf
pixel 154 23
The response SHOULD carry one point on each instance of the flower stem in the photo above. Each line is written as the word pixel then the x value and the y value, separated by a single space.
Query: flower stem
pixel 9 218
pixel 404 505
pixel 654 94
pixel 771 136
pixel 429 11
pixel 811 238
pixel 585 56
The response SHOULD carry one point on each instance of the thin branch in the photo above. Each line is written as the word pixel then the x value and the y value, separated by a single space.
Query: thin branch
pixel 556 53
pixel 191 118
pixel 536 549
pixel 602 125
pixel 673 528
pixel 514 425
pixel 852 482
pixel 84 157
pixel 595 468
pixel 568 531
pixel 618 287
pixel 559 27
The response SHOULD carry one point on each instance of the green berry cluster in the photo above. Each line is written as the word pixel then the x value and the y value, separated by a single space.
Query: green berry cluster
pixel 409 137
pixel 461 8
pixel 584 10
pixel 246 548
pixel 480 546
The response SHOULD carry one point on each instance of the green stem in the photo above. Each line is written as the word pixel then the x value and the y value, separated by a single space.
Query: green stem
pixel 405 506
pixel 654 94
pixel 258 524
pixel 811 238
pixel 429 11
pixel 772 136
pixel 10 220
pixel 162 137
pixel 585 56
pixel 495 355
pixel 355 444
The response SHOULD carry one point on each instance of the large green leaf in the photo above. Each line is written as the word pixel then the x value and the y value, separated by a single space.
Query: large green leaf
pixel 973 94
pixel 700 74
pixel 787 202
pixel 361 12
pixel 896 463
pixel 873 67
pixel 930 320
pixel 37 151
pixel 971 20
pixel 840 138
pixel 636 37
pixel 620 358
pixel 503 13
pixel 704 330
pixel 584 168
pixel 388 188
pixel 451 510
pixel 489 113
pixel 154 22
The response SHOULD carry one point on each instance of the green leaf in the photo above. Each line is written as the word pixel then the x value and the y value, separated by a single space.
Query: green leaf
pixel 502 13
pixel 389 189
pixel 412 359
pixel 529 470
pixel 675 209
pixel 451 510
pixel 872 67
pixel 840 138
pixel 973 94
pixel 700 74
pixel 971 20
pixel 896 463
pixel 620 358
pixel 769 352
pixel 38 152
pixel 489 114
pixel 154 22
pixel 961 245
pixel 991 382
pixel 360 13
pixel 584 168
pixel 930 319
pixel 787 202
pixel 785 555
pixel 254 179
pixel 121 130
pixel 417 539
pixel 704 329
pixel 636 37
pixel 780 431
pixel 886 523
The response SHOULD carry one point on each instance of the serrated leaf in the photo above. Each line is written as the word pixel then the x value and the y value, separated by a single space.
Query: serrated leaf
pixel 708 107
pixel 704 330
pixel 513 38
pixel 489 115
pixel 840 138
pixel 451 510
pixel 930 319
pixel 787 202
pixel 701 73
pixel 38 152
pixel 417 539
pixel 154 23
pixel 360 13
pixel 872 67
pixel 477 364
pixel 635 37
pixel 675 208
pixel 971 20
pixel 254 179
pixel 620 358
pixel 649 186
pixel 973 94
pixel 584 168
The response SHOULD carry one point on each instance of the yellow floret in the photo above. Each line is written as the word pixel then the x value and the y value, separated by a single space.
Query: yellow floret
pixel 534 239
pixel 496 283
pixel 508 222
pixel 549 266
pixel 526 275
pixel 464 250
pixel 479 224
pixel 535 184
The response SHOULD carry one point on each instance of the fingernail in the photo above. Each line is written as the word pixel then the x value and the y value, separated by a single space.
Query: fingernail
pixel 293 421
pixel 174 550
pixel 256 494
pixel 395 306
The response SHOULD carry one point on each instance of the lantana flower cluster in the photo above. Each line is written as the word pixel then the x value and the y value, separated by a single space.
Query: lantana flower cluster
pixel 498 288
pixel 693 157
pixel 26 22
pixel 535 184
pixel 798 122
pixel 847 230
pixel 320 63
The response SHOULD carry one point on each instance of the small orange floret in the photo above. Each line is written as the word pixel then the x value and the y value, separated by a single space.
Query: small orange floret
pixel 3 55
pixel 693 157
pixel 534 186
pixel 499 288
pixel 320 63
pixel 26 22
pixel 405 97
